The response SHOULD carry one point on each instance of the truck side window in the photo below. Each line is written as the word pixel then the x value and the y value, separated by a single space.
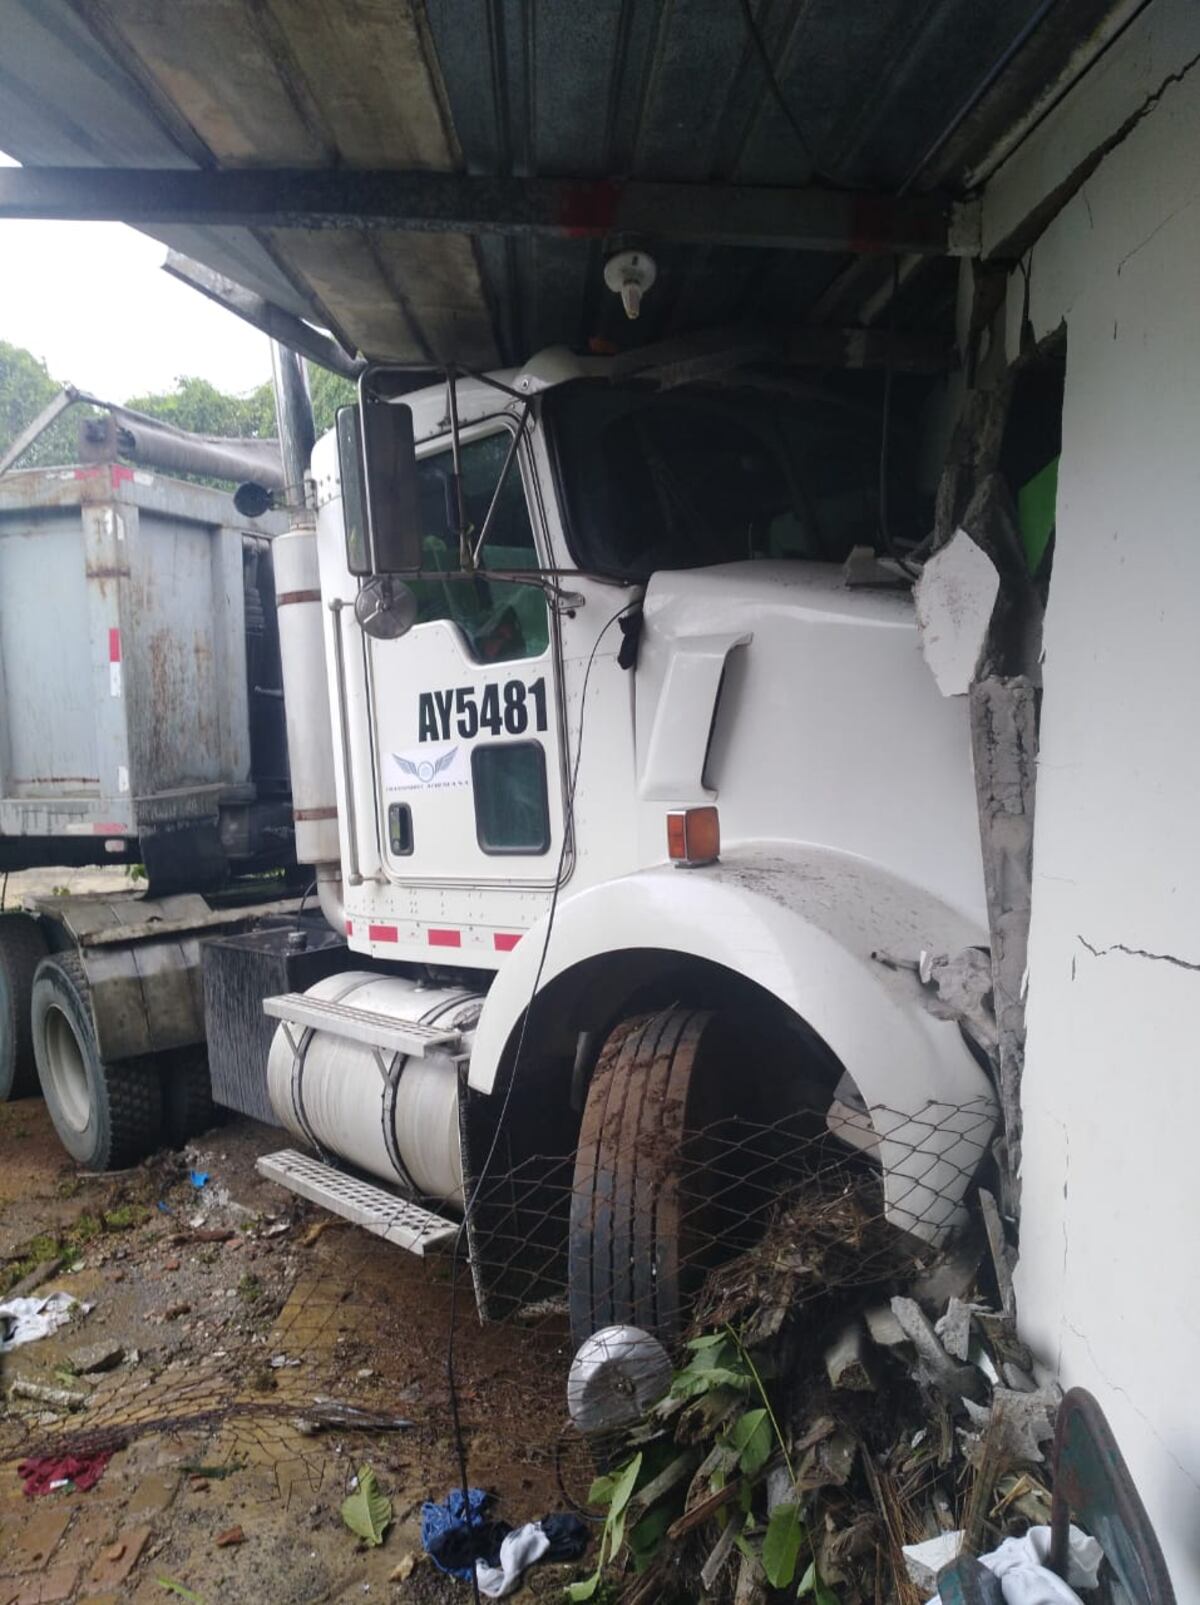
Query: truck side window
pixel 500 620
pixel 511 811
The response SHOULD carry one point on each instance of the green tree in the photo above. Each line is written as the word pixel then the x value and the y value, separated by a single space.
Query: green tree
pixel 199 407
pixel 25 389
pixel 329 391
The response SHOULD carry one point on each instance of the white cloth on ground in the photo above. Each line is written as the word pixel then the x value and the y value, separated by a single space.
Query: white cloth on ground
pixel 24 1320
pixel 1020 1564
pixel 518 1552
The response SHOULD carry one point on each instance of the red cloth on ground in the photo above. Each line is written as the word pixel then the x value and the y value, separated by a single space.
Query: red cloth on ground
pixel 84 1471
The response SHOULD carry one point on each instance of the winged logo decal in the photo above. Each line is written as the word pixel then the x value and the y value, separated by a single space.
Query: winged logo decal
pixel 426 769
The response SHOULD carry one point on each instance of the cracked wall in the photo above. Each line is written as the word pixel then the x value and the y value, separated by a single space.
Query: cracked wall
pixel 1109 1279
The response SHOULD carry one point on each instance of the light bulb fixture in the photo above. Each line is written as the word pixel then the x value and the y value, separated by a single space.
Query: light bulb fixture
pixel 630 274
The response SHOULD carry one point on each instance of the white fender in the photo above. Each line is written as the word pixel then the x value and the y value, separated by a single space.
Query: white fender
pixel 804 924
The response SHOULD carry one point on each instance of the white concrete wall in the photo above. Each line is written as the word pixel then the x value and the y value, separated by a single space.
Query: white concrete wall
pixel 1109 1279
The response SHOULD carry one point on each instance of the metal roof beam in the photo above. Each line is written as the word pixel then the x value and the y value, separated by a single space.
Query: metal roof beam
pixel 766 218
pixel 712 355
pixel 274 321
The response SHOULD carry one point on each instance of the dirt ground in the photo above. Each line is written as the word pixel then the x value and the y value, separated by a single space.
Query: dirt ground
pixel 234 1308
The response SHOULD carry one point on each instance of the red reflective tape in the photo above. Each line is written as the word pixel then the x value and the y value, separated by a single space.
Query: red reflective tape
pixel 589 209
pixel 108 830
pixel 121 474
pixel 382 933
pixel 90 473
pixel 349 927
pixel 445 938
pixel 114 646
pixel 504 941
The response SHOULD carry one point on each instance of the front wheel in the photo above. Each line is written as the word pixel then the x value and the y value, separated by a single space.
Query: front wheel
pixel 107 1116
pixel 644 1215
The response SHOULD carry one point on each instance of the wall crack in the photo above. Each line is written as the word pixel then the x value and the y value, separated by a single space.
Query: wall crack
pixel 1128 1397
pixel 1136 953
pixel 1044 213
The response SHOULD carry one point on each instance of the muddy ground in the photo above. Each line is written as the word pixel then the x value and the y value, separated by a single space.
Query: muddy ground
pixel 200 1289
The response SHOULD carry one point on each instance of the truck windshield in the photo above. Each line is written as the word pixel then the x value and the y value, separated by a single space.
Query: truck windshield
pixel 655 480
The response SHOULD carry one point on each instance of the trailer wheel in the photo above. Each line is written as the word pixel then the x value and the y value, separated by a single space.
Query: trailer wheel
pixel 643 1224
pixel 187 1099
pixel 107 1115
pixel 22 947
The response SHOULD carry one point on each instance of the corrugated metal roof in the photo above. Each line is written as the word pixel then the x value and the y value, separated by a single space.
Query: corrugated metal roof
pixel 653 89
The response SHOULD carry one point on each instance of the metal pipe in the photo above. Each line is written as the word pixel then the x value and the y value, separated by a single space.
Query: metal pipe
pixel 160 446
pixel 353 873
pixel 331 896
pixel 294 416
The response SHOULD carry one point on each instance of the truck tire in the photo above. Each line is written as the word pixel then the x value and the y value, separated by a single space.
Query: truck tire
pixel 107 1116
pixel 636 1242
pixel 22 947
pixel 187 1099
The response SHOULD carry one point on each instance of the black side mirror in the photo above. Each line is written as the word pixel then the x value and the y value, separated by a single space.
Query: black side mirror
pixel 380 494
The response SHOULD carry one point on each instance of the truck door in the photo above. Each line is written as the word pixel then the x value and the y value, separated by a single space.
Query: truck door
pixel 465 707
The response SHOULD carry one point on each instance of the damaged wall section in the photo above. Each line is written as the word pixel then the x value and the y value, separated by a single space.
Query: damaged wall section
pixel 1107 1285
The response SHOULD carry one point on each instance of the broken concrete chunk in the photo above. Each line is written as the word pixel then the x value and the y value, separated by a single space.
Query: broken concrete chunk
pixel 924 1561
pixel 955 598
pixel 1016 1425
pixel 952 1275
pixel 61 1398
pixel 94 1357
pixel 846 1360
pixel 1018 1380
pixel 954 1328
pixel 934 1366
pixel 884 1328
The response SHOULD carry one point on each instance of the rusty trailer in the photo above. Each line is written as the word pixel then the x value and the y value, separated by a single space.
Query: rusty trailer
pixel 141 723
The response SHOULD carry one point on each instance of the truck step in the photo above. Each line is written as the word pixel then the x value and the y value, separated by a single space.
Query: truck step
pixel 362 1025
pixel 396 1220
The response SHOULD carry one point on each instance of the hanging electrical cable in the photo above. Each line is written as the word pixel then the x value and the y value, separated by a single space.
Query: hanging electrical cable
pixel 460 1449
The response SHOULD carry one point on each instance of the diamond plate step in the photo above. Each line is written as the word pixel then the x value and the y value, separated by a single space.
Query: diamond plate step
pixel 361 1025
pixel 394 1219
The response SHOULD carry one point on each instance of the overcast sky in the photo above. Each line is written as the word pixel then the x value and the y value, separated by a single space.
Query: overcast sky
pixel 91 299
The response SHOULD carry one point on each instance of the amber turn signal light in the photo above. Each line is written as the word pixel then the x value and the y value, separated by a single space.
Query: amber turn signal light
pixel 694 837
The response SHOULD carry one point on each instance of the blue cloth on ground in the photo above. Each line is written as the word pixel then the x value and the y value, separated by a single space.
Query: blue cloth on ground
pixel 450 1517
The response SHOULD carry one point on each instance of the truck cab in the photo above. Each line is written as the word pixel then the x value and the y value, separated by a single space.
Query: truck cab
pixel 625 783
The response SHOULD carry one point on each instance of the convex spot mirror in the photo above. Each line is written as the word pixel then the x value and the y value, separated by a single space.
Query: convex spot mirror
pixel 380 493
pixel 385 608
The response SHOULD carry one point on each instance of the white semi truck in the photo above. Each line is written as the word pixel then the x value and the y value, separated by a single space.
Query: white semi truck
pixel 634 812
pixel 627 811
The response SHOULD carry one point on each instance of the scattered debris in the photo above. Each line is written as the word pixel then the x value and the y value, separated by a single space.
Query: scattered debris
pixel 925 1560
pixel 230 1537
pixel 42 1393
pixel 846 1362
pixel 402 1572
pixel 955 598
pixel 853 1413
pixel 999 1249
pixel 25 1320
